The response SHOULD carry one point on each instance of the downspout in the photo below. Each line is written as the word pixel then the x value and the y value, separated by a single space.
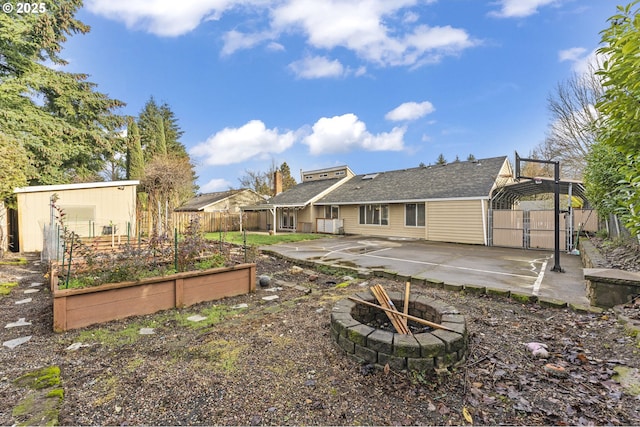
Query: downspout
pixel 484 222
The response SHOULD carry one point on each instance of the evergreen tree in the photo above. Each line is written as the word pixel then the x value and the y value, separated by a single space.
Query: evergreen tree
pixel 287 180
pixel 441 160
pixel 135 158
pixel 471 158
pixel 161 140
pixel 12 159
pixel 63 124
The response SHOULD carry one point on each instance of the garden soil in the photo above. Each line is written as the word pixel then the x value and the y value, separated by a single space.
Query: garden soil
pixel 274 362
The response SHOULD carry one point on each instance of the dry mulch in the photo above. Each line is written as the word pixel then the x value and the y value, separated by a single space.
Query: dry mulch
pixel 274 363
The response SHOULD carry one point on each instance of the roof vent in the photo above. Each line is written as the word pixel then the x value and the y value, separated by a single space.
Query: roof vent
pixel 370 176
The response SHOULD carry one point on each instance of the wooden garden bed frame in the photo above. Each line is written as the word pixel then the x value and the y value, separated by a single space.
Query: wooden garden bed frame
pixel 77 308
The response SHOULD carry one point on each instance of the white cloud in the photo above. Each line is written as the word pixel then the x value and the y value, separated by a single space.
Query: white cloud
pixel 519 8
pixel 161 17
pixel 235 40
pixel 363 26
pixel 388 33
pixel 572 54
pixel 313 67
pixel 216 184
pixel 347 132
pixel 410 111
pixel 582 61
pixel 235 145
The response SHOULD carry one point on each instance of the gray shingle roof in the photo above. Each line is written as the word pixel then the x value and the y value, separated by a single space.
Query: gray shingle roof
pixel 203 200
pixel 303 193
pixel 453 180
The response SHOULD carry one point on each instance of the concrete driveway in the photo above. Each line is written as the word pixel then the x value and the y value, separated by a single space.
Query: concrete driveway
pixel 518 270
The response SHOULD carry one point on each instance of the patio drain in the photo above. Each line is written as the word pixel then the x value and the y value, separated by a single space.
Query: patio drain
pixel 424 351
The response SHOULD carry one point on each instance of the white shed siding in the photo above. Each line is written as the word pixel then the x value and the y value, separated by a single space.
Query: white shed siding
pixel 459 221
pixel 112 205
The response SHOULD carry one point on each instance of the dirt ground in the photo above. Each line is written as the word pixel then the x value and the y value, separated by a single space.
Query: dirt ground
pixel 274 363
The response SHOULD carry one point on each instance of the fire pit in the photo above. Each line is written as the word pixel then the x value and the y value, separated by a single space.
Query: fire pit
pixel 424 350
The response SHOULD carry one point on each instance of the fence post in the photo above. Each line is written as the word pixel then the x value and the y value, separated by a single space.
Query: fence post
pixel 70 259
pixel 244 244
pixel 175 248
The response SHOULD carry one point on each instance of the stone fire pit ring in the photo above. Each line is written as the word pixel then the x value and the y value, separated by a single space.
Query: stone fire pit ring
pixel 435 349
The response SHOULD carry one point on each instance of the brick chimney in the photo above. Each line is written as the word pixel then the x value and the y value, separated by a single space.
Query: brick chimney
pixel 277 183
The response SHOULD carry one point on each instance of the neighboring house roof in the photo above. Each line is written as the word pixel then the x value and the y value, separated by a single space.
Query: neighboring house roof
pixel 78 186
pixel 303 193
pixel 201 201
pixel 469 179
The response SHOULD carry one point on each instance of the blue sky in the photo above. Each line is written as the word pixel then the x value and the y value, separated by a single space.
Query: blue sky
pixel 374 84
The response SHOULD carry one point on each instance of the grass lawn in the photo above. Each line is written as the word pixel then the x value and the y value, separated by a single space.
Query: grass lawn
pixel 261 239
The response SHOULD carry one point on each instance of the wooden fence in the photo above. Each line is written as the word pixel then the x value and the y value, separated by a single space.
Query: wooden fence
pixel 210 222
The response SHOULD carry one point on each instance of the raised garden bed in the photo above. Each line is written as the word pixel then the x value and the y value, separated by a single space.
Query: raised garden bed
pixel 76 308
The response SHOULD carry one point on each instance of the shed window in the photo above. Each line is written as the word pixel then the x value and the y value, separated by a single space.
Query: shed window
pixel 78 213
pixel 374 214
pixel 414 214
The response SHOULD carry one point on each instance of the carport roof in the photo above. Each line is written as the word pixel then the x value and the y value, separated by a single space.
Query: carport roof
pixel 505 196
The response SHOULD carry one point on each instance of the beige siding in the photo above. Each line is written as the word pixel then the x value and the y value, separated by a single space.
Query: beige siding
pixel 326 174
pixel 459 221
pixel 396 227
pixel 110 206
pixel 232 204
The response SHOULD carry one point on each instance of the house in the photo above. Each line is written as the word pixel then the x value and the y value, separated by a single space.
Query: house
pixel 447 203
pixel 441 202
pixel 294 209
pixel 221 211
pixel 90 209
pixel 229 201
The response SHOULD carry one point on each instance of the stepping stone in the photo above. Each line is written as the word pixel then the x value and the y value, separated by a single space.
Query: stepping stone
pixel 36 284
pixel 270 297
pixel 147 331
pixel 276 289
pixel 196 318
pixel 76 346
pixel 238 306
pixel 24 301
pixel 20 322
pixel 31 291
pixel 16 342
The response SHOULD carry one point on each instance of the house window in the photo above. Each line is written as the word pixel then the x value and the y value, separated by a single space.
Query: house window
pixel 331 212
pixel 288 218
pixel 374 214
pixel 414 214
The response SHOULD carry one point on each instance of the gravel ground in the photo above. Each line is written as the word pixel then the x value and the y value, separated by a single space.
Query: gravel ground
pixel 274 363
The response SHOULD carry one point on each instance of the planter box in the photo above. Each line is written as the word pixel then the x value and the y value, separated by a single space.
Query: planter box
pixel 76 308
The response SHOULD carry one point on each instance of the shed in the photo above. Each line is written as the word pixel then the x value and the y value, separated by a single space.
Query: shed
pixel 90 208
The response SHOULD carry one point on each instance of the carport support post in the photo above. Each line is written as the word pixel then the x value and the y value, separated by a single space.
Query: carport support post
pixel 556 206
